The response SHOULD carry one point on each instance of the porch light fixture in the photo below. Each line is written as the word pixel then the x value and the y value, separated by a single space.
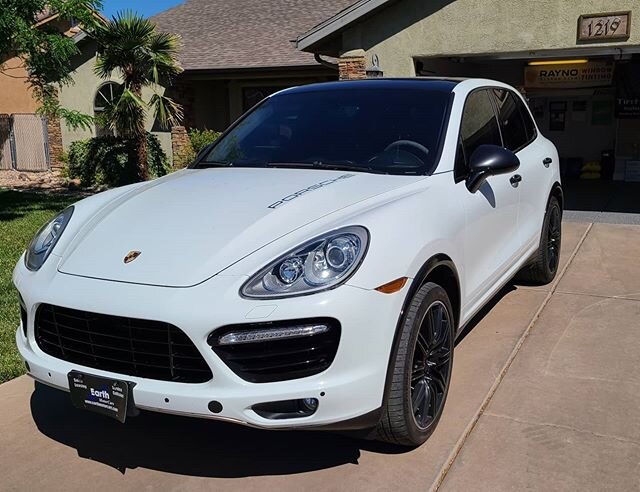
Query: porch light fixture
pixel 374 71
pixel 558 62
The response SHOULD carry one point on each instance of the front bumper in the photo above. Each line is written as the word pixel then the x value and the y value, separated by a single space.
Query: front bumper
pixel 351 387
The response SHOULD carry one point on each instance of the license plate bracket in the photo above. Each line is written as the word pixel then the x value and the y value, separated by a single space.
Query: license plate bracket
pixel 106 396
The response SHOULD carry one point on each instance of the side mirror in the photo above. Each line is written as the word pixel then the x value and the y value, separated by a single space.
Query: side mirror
pixel 489 160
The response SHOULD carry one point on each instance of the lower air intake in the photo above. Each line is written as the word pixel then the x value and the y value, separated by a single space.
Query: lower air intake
pixel 278 351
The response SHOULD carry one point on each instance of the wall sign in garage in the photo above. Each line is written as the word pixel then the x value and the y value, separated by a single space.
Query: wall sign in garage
pixel 604 27
pixel 572 74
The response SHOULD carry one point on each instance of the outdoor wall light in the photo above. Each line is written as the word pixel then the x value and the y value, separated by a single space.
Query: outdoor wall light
pixel 374 71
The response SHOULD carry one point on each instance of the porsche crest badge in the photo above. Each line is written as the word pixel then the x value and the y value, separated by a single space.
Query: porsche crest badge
pixel 131 255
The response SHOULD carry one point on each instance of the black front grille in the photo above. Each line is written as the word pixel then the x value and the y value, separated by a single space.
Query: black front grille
pixel 279 360
pixel 135 347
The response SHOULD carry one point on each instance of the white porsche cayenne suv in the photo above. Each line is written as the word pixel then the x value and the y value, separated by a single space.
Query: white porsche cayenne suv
pixel 311 269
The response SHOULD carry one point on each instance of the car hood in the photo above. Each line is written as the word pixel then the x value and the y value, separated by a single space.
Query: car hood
pixel 191 225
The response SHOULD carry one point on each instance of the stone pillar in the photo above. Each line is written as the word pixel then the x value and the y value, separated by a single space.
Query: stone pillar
pixel 352 65
pixel 352 68
pixel 181 147
pixel 55 142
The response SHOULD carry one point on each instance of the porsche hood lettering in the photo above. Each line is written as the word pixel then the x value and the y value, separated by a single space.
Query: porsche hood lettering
pixel 316 186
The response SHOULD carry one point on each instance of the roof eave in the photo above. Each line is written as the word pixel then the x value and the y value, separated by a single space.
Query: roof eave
pixel 331 26
pixel 266 69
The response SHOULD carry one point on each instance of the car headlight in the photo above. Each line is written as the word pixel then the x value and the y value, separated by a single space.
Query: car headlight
pixel 322 263
pixel 45 240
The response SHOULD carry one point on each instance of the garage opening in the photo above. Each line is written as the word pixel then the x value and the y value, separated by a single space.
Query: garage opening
pixel 588 106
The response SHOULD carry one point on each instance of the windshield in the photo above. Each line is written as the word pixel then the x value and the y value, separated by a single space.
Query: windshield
pixel 384 131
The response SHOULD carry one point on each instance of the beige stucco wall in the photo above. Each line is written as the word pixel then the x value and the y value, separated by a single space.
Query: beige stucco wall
pixel 15 94
pixel 80 96
pixel 473 27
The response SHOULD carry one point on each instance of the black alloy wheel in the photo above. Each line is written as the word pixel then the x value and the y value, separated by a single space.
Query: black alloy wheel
pixel 543 266
pixel 420 369
pixel 553 239
pixel 431 365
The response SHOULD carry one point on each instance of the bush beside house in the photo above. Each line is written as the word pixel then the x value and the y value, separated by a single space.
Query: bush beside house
pixel 196 141
pixel 106 161
pixel 201 138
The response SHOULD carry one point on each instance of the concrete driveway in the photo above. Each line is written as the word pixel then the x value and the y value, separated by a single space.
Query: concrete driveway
pixel 545 395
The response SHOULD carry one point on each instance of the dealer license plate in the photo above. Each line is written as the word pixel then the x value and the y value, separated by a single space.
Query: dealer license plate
pixel 100 395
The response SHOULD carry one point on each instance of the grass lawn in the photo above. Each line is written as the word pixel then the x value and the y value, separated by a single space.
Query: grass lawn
pixel 21 215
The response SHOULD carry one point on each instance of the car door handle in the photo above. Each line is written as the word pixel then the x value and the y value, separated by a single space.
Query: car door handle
pixel 547 161
pixel 515 179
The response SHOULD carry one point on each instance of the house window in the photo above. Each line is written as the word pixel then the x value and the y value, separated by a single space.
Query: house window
pixel 106 94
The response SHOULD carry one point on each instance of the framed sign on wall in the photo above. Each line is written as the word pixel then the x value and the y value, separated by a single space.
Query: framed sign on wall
pixel 604 27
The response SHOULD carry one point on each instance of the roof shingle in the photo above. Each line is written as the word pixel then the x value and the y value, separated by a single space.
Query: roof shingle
pixel 219 34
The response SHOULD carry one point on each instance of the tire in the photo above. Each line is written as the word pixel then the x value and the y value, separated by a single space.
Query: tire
pixel 413 381
pixel 544 265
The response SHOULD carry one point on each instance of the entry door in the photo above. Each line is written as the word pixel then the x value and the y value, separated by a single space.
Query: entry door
pixel 491 213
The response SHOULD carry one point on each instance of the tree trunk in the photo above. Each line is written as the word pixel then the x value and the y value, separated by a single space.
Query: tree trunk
pixel 141 144
pixel 141 148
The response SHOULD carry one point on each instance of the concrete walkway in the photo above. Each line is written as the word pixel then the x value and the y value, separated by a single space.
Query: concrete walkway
pixel 545 396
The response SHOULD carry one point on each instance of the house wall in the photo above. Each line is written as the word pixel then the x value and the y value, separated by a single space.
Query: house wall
pixel 411 28
pixel 80 96
pixel 15 94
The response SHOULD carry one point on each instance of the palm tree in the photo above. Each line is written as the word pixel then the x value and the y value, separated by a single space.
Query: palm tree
pixel 131 46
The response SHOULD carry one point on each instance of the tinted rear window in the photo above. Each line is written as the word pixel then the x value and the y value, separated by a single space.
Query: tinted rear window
pixel 390 131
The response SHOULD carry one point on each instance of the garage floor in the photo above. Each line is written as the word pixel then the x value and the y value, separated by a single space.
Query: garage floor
pixel 545 395
pixel 614 202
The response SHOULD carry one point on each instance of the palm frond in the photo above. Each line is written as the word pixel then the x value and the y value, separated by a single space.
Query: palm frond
pixel 166 111
pixel 126 115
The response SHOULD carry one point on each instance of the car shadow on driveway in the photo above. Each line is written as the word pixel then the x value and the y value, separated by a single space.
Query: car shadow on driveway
pixel 191 446
pixel 479 316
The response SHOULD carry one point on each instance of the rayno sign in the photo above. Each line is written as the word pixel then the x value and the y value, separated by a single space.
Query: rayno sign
pixel 591 74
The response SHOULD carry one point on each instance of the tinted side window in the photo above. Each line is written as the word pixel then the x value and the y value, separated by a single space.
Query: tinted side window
pixel 478 127
pixel 514 132
pixel 529 125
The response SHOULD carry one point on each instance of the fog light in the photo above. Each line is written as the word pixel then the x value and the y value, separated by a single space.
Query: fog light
pixel 252 336
pixel 287 409
pixel 310 404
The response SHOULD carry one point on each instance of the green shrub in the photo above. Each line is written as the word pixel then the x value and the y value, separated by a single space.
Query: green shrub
pixel 111 161
pixel 201 138
pixel 198 139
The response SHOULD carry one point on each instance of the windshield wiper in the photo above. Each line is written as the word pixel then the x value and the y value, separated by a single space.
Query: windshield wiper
pixel 206 164
pixel 291 164
pixel 324 165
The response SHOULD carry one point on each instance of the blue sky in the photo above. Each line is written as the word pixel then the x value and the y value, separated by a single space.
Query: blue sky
pixel 143 7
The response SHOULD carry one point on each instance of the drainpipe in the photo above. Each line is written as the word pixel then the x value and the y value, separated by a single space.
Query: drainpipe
pixel 325 63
